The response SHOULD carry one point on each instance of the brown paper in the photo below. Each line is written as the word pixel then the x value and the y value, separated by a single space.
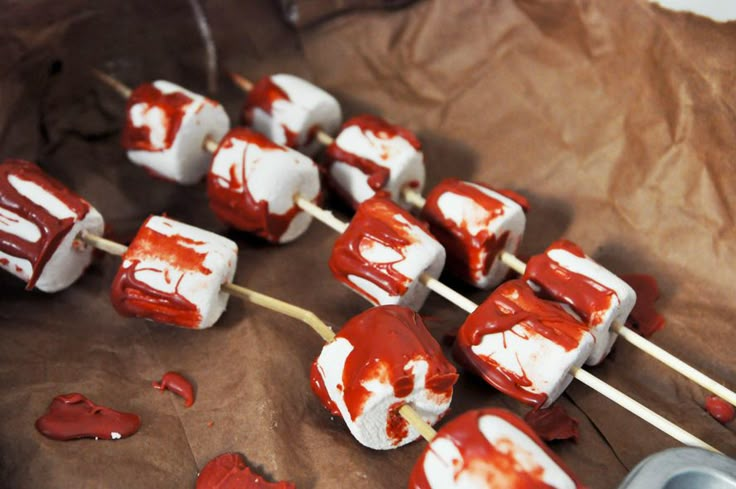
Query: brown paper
pixel 616 119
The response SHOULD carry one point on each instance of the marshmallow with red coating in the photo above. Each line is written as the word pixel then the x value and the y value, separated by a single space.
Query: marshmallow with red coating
pixel 371 155
pixel 253 182
pixel 475 224
pixel 173 273
pixel 566 274
pixel 289 110
pixel 486 449
pixel 381 360
pixel 383 254
pixel 522 345
pixel 165 129
pixel 40 222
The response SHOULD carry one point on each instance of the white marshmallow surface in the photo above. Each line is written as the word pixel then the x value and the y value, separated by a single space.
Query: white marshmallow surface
pixel 307 107
pixel 185 161
pixel 393 152
pixel 156 258
pixel 70 258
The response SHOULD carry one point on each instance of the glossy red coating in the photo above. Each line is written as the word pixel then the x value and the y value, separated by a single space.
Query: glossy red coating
pixel 644 318
pixel 178 384
pixel 553 423
pixel 263 95
pixel 720 409
pixel 229 471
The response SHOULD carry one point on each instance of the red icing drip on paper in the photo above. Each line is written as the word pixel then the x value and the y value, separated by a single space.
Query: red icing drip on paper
pixel 385 339
pixel 52 229
pixel 494 464
pixel 229 471
pixel 176 383
pixel 73 416
pixel 720 409
pixel 377 175
pixel 587 297
pixel 375 221
pixel 512 303
pixel 232 202
pixel 553 423
pixel 644 318
pixel 173 105
pixel 464 257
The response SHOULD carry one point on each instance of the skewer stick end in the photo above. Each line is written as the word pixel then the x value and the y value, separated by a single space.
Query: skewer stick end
pixel 240 81
pixel 112 82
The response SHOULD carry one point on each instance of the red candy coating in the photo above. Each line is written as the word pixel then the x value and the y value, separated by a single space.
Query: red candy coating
pixel 553 423
pixel 176 383
pixel 644 318
pixel 229 471
pixel 264 93
pixel 720 409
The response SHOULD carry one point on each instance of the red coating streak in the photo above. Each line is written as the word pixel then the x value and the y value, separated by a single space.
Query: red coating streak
pixel 644 318
pixel 229 471
pixel 176 383
pixel 553 423
pixel 72 416
pixel 494 464
pixel 385 339
pixel 375 222
pixel 265 92
pixel 469 256
pixel 52 229
pixel 722 411
pixel 173 105
pixel 232 202
pixel 587 297
pixel 377 175
pixel 512 303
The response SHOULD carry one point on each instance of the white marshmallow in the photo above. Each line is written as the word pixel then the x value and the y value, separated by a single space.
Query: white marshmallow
pixel 264 173
pixel 373 139
pixel 291 120
pixel 180 157
pixel 26 185
pixel 359 249
pixel 469 226
pixel 179 271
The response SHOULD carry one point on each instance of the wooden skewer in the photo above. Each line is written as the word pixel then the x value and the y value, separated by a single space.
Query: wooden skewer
pixel 123 90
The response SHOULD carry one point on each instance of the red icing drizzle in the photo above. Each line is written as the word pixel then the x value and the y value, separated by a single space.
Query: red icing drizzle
pixel 176 383
pixel 644 318
pixel 377 175
pixel 512 303
pixel 385 339
pixel 587 297
pixel 464 257
pixel 232 202
pixel 375 221
pixel 173 105
pixel 132 297
pixel 264 93
pixel 229 471
pixel 52 229
pixel 553 423
pixel 720 409
pixel 72 416
pixel 493 464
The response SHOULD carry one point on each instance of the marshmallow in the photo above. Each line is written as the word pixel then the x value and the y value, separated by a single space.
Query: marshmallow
pixel 566 274
pixel 165 129
pixel 172 273
pixel 252 184
pixel 522 345
pixel 475 224
pixel 40 220
pixel 489 448
pixel 289 111
pixel 383 253
pixel 381 360
pixel 370 155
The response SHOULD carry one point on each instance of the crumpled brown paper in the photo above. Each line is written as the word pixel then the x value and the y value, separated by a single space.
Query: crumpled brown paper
pixel 616 119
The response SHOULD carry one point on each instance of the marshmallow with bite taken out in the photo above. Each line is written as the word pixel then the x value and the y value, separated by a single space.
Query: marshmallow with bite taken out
pixel 566 274
pixel 40 221
pixel 522 345
pixel 383 253
pixel 289 110
pixel 489 448
pixel 371 155
pixel 253 182
pixel 381 360
pixel 475 224
pixel 165 130
pixel 172 273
